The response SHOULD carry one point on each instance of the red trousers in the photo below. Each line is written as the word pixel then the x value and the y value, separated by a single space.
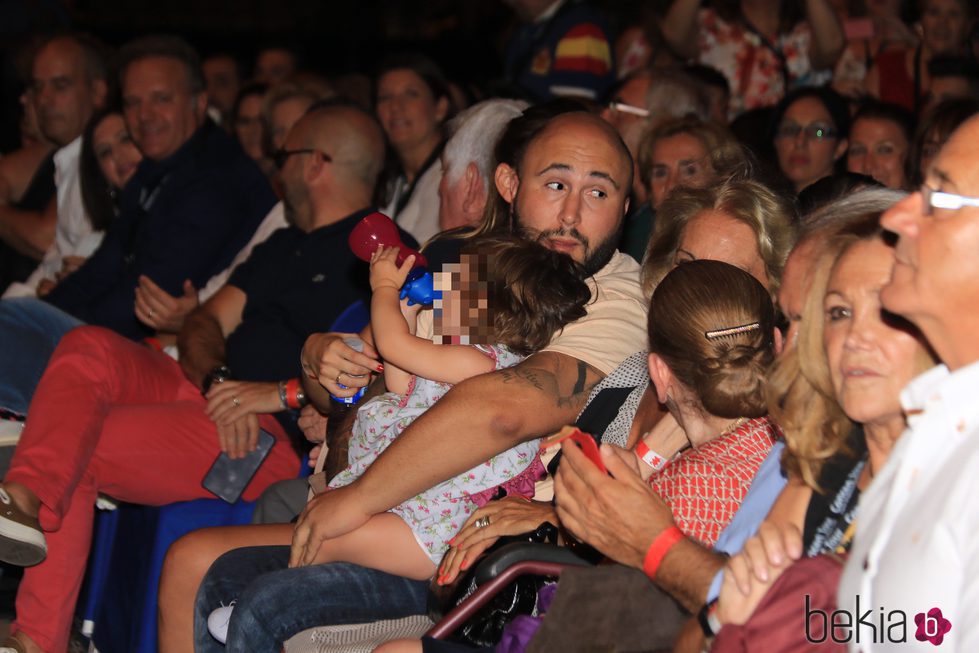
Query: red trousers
pixel 114 417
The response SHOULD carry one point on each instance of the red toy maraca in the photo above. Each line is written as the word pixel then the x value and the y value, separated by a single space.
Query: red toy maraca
pixel 375 230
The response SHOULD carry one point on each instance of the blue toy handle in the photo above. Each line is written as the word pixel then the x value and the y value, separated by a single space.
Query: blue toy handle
pixel 418 288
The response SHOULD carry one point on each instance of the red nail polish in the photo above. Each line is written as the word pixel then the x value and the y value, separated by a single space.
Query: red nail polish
pixel 380 367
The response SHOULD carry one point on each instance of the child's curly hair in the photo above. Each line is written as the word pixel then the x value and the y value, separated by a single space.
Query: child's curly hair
pixel 531 291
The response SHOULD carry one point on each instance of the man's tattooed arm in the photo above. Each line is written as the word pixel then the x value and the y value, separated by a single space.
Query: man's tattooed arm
pixel 567 380
pixel 476 420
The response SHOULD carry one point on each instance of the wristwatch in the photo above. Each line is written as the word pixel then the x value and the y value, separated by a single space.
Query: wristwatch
pixel 707 618
pixel 219 374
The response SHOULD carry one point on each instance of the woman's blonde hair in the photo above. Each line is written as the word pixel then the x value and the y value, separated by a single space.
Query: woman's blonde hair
pixel 770 216
pixel 801 396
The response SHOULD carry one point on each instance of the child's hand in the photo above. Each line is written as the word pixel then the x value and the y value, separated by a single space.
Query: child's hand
pixel 385 271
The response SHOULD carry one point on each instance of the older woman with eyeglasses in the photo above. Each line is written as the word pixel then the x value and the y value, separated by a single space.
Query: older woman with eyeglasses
pixel 679 153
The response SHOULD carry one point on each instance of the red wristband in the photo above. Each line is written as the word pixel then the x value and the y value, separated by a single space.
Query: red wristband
pixel 650 457
pixel 292 393
pixel 658 549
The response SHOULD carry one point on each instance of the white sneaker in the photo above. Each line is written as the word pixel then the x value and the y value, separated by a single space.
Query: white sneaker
pixel 217 622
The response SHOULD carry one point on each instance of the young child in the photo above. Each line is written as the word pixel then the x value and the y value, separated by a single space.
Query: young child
pixel 505 300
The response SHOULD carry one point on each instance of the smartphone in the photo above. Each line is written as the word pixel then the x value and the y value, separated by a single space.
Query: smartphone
pixel 584 441
pixel 228 478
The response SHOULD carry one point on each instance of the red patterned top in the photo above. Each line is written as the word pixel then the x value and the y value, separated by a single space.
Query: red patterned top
pixel 753 69
pixel 705 486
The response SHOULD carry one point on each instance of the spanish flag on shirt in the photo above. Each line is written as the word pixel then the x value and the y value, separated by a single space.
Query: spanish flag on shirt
pixel 583 49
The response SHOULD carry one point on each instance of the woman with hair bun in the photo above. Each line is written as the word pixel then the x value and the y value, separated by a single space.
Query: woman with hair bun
pixel 711 340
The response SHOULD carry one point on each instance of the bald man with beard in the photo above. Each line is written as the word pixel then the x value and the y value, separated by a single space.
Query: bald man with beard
pixel 566 189
pixel 113 416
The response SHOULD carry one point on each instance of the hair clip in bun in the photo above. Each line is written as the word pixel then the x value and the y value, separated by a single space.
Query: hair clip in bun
pixel 731 331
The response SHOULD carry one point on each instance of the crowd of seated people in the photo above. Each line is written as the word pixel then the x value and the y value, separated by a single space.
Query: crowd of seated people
pixel 745 268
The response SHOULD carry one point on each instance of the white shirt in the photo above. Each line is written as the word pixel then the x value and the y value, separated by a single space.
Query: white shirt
pixel 274 220
pixel 74 235
pixel 420 215
pixel 917 540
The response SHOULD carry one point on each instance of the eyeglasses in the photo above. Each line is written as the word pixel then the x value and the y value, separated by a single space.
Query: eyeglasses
pixel 814 132
pixel 622 107
pixel 280 156
pixel 936 199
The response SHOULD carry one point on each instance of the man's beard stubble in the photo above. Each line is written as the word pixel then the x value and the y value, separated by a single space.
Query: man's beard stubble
pixel 595 258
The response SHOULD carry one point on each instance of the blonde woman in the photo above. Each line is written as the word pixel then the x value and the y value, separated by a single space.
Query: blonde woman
pixel 742 222
pixel 837 398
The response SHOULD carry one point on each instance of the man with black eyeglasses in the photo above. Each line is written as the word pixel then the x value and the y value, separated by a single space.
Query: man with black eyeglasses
pixel 113 416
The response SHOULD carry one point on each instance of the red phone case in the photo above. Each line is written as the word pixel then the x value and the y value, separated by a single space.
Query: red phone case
pixel 584 441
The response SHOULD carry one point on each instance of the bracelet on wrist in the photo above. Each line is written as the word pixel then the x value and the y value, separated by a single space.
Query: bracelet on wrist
pixel 283 396
pixel 707 618
pixel 665 541
pixel 294 395
pixel 651 458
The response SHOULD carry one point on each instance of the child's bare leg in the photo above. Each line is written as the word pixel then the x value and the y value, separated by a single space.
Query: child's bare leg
pixel 188 559
pixel 400 646
pixel 385 543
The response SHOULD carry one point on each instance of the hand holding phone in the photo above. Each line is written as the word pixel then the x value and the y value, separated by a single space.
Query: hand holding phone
pixel 584 441
pixel 229 477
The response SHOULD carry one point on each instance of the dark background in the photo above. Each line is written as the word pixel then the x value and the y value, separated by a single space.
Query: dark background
pixel 465 36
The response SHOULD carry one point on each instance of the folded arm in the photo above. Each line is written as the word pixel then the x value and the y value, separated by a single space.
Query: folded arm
pixel 203 337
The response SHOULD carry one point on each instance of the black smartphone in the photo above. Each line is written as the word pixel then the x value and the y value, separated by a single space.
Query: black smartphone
pixel 228 478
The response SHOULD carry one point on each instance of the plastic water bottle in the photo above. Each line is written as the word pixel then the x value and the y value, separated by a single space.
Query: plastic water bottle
pixel 356 344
